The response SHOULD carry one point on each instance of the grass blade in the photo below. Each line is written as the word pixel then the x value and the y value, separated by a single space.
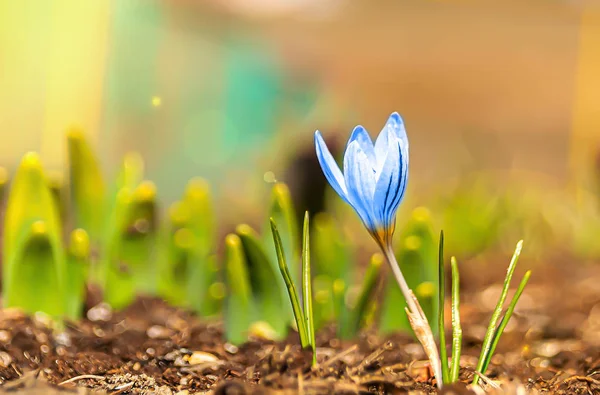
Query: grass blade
pixel 298 314
pixel 456 328
pixel 491 330
pixel 506 318
pixel 441 318
pixel 307 289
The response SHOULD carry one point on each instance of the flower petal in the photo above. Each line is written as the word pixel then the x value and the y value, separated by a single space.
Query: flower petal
pixel 393 127
pixel 360 181
pixel 361 136
pixel 391 184
pixel 330 167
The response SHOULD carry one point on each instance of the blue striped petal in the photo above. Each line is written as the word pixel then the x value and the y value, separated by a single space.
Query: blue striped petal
pixel 360 182
pixel 330 167
pixel 391 185
pixel 361 136
pixel 394 127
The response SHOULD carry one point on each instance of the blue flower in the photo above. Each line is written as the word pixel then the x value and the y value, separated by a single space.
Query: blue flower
pixel 375 175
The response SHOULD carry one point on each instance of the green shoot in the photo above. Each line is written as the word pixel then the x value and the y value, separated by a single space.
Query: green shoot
pixel 239 311
pixel 365 298
pixel 306 287
pixel 87 186
pixel 441 317
pixel 264 282
pixel 506 318
pixel 34 282
pixel 118 279
pixel 491 330
pixel 291 288
pixel 456 328
pixel 78 257
pixel 139 238
pixel 4 180
pixel 34 263
pixel 283 213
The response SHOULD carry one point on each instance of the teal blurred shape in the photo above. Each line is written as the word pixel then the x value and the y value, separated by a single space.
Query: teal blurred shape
pixel 224 92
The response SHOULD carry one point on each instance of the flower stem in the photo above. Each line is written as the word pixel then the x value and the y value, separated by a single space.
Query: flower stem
pixel 417 318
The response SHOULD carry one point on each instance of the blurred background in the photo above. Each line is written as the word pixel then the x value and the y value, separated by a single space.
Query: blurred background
pixel 501 99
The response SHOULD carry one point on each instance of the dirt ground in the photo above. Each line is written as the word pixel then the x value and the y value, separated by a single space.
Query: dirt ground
pixel 552 345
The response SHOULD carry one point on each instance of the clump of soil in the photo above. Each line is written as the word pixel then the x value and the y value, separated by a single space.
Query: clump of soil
pixel 552 345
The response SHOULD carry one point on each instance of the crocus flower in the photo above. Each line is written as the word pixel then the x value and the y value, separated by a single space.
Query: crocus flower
pixel 375 175
pixel 373 183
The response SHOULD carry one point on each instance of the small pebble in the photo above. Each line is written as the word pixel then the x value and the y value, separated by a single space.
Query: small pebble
pixel 159 332
pixel 100 312
pixel 199 357
pixel 5 359
pixel 5 336
pixel 230 348
pixel 137 366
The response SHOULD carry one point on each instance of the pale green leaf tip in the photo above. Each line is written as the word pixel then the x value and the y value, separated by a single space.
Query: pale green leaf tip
pixel 519 246
pixel 145 192
pixel 377 259
pixel 421 214
pixel 133 160
pixel 197 187
pixel 79 245
pixel 232 241
pixel 31 161
pixel 244 229
pixel 39 228
pixel 75 133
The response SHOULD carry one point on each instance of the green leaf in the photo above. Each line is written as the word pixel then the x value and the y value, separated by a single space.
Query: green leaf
pixel 88 192
pixel 203 270
pixel 417 255
pixel 119 281
pixel 239 310
pixel 132 171
pixel 204 292
pixel 307 298
pixel 35 279
pixel 4 181
pixel 283 213
pixel 491 330
pixel 285 273
pixel 268 296
pixel 57 187
pixel 506 318
pixel 201 220
pixel 139 238
pixel 78 257
pixel 366 295
pixel 176 243
pixel 29 201
pixel 323 307
pixel 332 254
pixel 456 328
pixel 441 315
pixel 176 271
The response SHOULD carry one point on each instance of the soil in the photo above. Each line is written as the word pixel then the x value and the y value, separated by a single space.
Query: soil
pixel 552 345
